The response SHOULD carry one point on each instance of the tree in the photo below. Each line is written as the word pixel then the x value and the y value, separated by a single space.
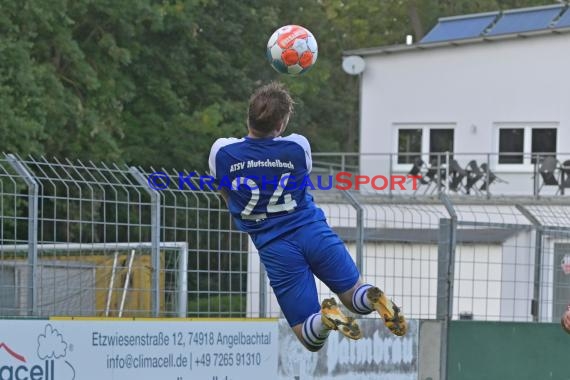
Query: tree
pixel 154 82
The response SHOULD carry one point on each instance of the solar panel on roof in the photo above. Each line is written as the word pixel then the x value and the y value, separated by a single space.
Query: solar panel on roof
pixel 525 21
pixel 564 21
pixel 459 28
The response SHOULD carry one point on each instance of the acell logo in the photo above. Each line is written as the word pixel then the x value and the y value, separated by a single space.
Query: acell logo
pixel 24 371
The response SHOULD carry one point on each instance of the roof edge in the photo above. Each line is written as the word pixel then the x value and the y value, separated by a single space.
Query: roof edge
pixel 400 48
pixel 468 16
pixel 528 9
pixel 500 11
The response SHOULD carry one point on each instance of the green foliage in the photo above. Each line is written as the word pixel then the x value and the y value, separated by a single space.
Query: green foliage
pixel 154 82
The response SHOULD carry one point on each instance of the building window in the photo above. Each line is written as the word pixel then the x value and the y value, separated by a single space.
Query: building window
pixel 521 144
pixel 511 145
pixel 427 142
pixel 543 142
pixel 409 145
pixel 440 141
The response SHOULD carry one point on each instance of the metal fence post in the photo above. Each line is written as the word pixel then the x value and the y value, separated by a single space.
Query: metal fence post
pixel 445 277
pixel 535 303
pixel 446 252
pixel 391 175
pixel 535 178
pixel 444 270
pixel 359 227
pixel 444 290
pixel 447 172
pixel 154 236
pixel 32 230
pixel 438 174
pixel 487 172
pixel 183 281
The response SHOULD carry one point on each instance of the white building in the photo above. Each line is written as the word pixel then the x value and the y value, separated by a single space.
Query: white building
pixel 491 87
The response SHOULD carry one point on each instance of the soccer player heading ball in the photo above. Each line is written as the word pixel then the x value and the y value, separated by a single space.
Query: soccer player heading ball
pixel 290 232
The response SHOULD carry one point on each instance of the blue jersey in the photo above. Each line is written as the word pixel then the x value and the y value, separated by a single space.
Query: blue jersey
pixel 267 197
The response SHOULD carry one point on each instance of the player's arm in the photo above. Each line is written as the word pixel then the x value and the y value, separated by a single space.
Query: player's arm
pixel 304 143
pixel 212 161
pixel 308 156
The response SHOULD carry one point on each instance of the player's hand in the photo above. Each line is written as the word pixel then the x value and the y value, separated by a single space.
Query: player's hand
pixel 566 320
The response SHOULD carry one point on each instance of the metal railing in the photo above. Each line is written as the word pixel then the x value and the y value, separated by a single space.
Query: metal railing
pixel 68 230
pixel 504 259
pixel 474 174
pixel 96 240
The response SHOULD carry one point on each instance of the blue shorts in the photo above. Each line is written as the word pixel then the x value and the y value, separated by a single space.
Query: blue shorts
pixel 292 260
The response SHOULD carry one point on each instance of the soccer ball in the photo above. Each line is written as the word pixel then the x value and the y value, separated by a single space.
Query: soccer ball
pixel 292 50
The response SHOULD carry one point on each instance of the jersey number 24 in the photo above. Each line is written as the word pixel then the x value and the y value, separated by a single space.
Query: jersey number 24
pixel 272 207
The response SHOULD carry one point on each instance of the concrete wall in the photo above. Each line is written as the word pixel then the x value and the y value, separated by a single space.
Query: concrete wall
pixel 430 350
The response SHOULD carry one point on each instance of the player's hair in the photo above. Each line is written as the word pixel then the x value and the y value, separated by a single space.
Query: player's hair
pixel 268 107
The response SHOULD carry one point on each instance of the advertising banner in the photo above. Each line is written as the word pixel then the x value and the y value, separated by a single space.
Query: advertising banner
pixel 142 350
pixel 378 355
